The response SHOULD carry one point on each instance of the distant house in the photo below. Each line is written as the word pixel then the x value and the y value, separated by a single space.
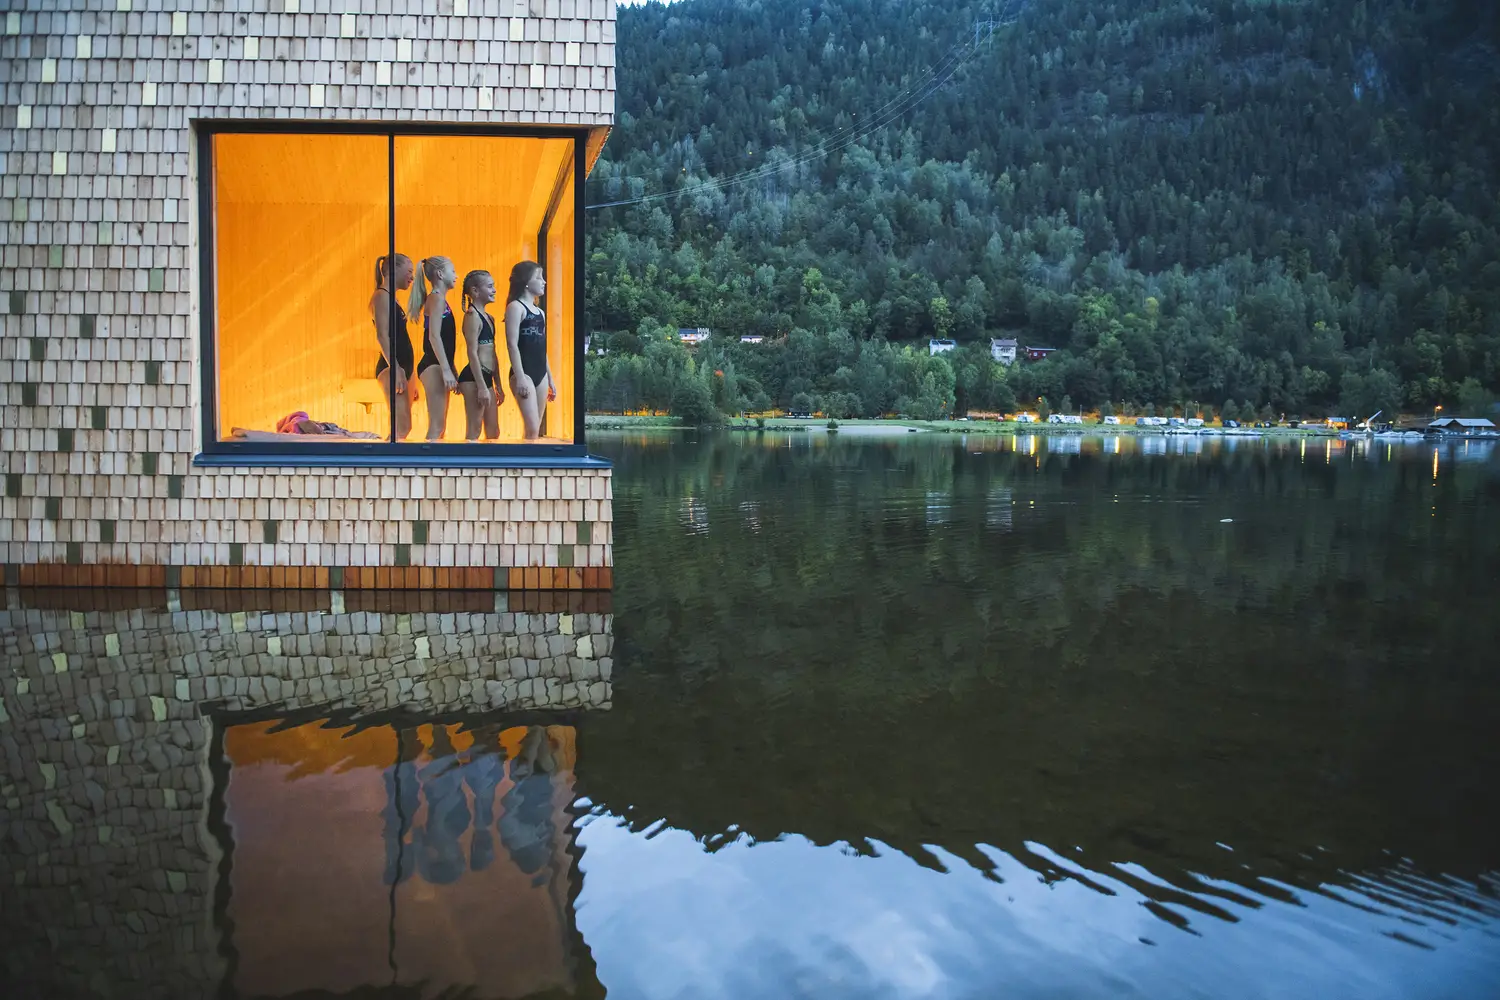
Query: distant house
pixel 1461 425
pixel 751 338
pixel 1038 353
pixel 1003 350
pixel 588 345
pixel 693 335
pixel 1339 423
pixel 936 346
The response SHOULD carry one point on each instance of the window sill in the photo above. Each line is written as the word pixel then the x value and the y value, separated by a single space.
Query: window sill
pixel 441 457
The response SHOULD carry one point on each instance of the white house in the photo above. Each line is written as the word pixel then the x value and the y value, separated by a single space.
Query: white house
pixel 693 335
pixel 1461 425
pixel 1003 350
pixel 936 346
pixel 751 338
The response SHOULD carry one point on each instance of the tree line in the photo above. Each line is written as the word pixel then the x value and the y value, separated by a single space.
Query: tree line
pixel 1229 204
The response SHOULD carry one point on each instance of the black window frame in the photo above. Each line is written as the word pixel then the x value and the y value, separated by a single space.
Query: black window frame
pixel 385 452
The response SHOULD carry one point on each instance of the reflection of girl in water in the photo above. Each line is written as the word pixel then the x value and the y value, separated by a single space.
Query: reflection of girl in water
pixel 526 827
pixel 439 855
pixel 482 773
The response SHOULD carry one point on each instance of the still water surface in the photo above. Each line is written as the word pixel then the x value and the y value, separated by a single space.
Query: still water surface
pixel 871 717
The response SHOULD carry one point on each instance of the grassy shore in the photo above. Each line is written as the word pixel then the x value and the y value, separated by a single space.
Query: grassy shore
pixel 613 422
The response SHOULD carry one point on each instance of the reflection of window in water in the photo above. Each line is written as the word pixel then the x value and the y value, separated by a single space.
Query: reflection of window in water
pixel 1153 444
pixel 693 515
pixel 437 854
pixel 999 510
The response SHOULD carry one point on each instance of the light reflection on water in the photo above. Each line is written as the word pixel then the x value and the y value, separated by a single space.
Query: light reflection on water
pixel 667 918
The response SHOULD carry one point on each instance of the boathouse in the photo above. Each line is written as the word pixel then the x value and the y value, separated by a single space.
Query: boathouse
pixel 197 194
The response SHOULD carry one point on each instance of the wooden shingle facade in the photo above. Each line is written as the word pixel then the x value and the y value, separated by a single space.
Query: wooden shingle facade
pixel 101 423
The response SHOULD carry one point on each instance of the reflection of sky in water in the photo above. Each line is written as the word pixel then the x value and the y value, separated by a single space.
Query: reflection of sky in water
pixel 665 918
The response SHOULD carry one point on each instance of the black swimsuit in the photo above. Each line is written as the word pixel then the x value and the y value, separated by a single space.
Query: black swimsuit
pixel 531 342
pixel 486 336
pixel 449 334
pixel 401 345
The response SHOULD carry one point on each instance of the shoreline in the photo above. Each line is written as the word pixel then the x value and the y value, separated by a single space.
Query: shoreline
pixel 895 426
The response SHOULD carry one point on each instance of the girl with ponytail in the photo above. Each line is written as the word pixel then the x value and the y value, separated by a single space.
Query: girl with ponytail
pixel 482 394
pixel 439 338
pixel 526 339
pixel 391 275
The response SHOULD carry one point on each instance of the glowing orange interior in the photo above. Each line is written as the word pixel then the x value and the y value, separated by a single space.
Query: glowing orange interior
pixel 299 222
pixel 316 816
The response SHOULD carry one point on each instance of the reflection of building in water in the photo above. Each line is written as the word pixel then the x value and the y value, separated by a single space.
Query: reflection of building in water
pixel 939 507
pixel 693 515
pixel 1065 444
pixel 141 789
pixel 999 510
pixel 1153 444
pixel 750 514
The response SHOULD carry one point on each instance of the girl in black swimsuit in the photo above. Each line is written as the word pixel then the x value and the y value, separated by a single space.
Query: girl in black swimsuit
pixel 526 339
pixel 393 275
pixel 439 339
pixel 482 394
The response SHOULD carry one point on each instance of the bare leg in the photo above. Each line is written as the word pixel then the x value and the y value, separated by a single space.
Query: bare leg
pixel 401 404
pixel 530 415
pixel 437 403
pixel 473 412
pixel 492 413
pixel 541 402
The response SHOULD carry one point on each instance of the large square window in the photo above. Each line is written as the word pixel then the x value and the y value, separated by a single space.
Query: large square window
pixel 384 292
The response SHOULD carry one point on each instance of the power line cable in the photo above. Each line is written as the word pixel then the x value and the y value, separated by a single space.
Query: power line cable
pixel 892 109
pixel 907 99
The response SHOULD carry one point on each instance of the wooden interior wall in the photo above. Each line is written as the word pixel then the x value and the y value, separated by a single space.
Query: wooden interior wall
pixel 479 201
pixel 299 223
pixel 562 277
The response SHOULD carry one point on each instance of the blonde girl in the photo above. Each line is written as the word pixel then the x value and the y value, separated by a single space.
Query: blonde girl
pixel 479 382
pixel 526 342
pixel 439 338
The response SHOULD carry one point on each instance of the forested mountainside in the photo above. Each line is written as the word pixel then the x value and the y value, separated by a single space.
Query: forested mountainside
pixel 1284 204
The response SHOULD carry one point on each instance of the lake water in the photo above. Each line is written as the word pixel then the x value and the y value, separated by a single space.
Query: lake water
pixel 916 716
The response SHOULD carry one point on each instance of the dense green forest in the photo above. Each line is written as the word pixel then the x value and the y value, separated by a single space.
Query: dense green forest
pixel 1285 205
